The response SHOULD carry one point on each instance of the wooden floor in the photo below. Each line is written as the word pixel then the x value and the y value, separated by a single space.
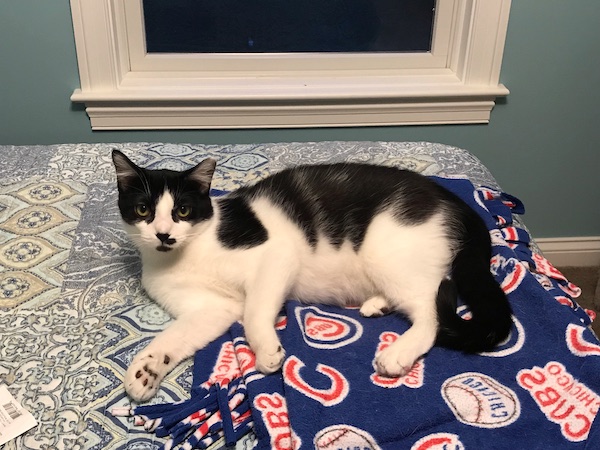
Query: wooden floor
pixel 587 279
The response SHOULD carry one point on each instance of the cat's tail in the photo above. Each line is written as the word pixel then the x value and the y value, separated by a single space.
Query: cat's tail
pixel 491 313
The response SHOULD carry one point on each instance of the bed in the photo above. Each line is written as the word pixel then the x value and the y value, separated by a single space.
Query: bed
pixel 73 314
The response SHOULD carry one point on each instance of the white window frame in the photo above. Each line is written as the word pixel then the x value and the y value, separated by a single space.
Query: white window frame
pixel 124 87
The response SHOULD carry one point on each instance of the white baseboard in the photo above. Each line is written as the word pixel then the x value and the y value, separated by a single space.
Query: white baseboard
pixel 571 251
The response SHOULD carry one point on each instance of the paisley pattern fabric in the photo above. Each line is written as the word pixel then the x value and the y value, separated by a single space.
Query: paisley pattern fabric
pixel 72 311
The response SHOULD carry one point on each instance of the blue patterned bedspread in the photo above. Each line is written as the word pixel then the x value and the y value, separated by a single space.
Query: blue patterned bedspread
pixel 73 314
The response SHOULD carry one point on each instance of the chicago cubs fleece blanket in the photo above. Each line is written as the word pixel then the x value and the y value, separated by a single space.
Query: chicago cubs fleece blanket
pixel 539 389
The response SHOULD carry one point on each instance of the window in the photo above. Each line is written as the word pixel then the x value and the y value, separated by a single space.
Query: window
pixel 275 26
pixel 125 86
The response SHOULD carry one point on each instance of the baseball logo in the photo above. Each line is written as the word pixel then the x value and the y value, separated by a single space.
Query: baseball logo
pixel 512 344
pixel 562 398
pixel 565 301
pixel 511 271
pixel 413 379
pixel 570 289
pixel 543 266
pixel 327 330
pixel 577 343
pixel 281 323
pixel 591 314
pixel 439 441
pixel 226 367
pixel 480 401
pixel 544 281
pixel 274 413
pixel 333 389
pixel 343 437
pixel 511 234
pixel 498 239
pixel 484 194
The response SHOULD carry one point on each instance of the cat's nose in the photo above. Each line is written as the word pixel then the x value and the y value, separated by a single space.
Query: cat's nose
pixel 162 237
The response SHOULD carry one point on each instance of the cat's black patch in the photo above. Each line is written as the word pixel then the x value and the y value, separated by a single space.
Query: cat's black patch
pixel 238 226
pixel 339 201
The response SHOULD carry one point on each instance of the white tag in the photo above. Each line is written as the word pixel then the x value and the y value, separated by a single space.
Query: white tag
pixel 14 420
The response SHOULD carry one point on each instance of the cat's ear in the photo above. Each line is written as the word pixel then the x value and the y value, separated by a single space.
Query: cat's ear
pixel 126 169
pixel 203 173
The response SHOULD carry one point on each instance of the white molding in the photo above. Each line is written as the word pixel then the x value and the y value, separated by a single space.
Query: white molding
pixel 125 88
pixel 571 251
pixel 199 117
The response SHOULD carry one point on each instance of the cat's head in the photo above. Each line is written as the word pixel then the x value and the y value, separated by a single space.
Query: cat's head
pixel 163 208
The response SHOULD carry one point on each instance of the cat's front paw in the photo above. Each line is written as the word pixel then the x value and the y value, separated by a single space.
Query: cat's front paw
pixel 269 360
pixel 145 374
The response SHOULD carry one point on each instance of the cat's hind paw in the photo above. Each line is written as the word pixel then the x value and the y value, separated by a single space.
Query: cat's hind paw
pixel 393 362
pixel 374 307
pixel 145 374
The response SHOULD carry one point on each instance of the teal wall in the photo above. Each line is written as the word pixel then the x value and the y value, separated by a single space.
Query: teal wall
pixel 543 142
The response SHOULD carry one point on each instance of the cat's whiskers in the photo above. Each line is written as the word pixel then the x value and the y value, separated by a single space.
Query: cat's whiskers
pixel 134 234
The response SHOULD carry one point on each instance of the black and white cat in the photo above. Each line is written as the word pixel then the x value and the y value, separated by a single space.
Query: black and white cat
pixel 347 234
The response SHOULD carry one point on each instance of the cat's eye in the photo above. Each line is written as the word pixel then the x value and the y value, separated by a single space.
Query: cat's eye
pixel 142 210
pixel 183 212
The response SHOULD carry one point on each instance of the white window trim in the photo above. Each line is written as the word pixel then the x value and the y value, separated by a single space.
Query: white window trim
pixel 123 87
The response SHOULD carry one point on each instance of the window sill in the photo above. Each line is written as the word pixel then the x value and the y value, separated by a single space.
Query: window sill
pixel 271 106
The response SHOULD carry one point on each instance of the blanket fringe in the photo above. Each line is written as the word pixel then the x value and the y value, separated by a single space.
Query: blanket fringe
pixel 222 411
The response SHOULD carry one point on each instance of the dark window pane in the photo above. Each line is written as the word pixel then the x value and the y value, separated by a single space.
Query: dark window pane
pixel 270 26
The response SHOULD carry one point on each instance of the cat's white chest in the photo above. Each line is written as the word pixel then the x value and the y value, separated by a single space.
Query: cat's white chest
pixel 188 284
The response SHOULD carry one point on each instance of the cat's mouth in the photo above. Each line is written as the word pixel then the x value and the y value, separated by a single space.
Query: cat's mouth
pixel 165 242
